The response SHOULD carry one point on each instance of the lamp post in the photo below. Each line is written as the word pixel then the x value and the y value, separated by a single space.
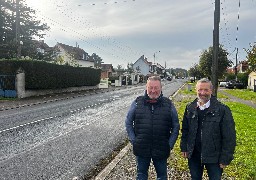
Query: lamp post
pixel 155 56
pixel 155 61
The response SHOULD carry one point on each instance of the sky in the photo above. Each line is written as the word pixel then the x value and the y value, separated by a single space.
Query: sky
pixel 121 31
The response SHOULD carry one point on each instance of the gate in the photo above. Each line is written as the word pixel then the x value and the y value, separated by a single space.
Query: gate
pixel 7 86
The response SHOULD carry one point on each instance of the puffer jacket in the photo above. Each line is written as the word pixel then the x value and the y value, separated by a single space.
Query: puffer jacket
pixel 154 125
pixel 218 135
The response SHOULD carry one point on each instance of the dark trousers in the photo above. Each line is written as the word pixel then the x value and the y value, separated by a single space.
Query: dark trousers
pixel 196 168
pixel 143 166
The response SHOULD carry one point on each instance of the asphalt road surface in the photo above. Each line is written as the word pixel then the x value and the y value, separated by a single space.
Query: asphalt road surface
pixel 67 138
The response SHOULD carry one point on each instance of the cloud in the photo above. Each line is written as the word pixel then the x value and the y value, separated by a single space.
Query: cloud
pixel 121 31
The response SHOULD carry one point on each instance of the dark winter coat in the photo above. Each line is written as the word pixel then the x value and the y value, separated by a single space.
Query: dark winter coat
pixel 218 136
pixel 153 125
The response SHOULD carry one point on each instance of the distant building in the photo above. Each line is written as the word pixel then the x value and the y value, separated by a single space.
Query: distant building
pixel 146 68
pixel 142 66
pixel 73 56
pixel 106 70
pixel 252 80
pixel 41 46
pixel 242 67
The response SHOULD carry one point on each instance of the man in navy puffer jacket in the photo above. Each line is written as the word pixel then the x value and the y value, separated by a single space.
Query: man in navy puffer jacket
pixel 152 125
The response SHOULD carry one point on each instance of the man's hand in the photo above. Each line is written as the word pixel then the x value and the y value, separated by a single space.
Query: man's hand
pixel 184 154
pixel 222 166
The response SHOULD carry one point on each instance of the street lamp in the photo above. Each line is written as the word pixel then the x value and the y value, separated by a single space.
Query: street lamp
pixel 154 65
pixel 155 56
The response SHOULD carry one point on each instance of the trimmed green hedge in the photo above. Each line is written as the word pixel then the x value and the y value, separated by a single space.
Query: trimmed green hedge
pixel 43 75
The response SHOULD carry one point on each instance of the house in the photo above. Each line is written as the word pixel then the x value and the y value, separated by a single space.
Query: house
pixel 242 66
pixel 41 46
pixel 159 69
pixel 142 66
pixel 252 81
pixel 106 70
pixel 146 68
pixel 73 56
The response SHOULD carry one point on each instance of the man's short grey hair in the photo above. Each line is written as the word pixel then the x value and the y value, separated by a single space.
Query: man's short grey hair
pixel 205 80
pixel 154 78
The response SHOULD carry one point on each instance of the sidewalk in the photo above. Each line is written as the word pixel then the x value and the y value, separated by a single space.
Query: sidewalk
pixel 34 100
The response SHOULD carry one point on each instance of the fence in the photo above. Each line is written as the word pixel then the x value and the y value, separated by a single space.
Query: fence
pixel 7 86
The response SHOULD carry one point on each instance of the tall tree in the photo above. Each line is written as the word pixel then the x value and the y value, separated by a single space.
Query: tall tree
pixel 206 59
pixel 28 29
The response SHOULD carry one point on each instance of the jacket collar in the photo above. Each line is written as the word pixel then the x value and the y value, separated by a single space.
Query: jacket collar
pixel 213 105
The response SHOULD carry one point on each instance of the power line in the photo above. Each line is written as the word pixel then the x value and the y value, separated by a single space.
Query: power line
pixel 119 47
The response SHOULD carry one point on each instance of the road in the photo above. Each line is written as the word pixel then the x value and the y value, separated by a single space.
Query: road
pixel 63 139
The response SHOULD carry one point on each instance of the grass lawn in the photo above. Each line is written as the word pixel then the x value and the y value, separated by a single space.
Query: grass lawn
pixel 244 164
pixel 245 94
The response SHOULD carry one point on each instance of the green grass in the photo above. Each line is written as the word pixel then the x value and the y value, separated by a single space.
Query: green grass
pixel 5 99
pixel 245 94
pixel 243 166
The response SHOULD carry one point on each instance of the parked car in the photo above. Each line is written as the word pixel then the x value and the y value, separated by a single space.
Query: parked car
pixel 234 84
pixel 239 85
pixel 169 78
pixel 230 85
pixel 223 84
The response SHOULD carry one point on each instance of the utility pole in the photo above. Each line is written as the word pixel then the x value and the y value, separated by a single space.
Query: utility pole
pixel 18 29
pixel 215 47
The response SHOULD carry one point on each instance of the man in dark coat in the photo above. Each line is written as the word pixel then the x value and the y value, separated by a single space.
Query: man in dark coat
pixel 208 134
pixel 152 126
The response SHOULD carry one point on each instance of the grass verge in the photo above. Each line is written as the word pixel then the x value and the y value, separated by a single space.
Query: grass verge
pixel 244 94
pixel 244 164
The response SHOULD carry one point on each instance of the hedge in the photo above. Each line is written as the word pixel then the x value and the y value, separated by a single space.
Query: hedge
pixel 43 75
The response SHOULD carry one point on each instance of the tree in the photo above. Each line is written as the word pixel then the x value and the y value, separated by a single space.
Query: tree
pixel 251 57
pixel 130 68
pixel 96 59
pixel 119 66
pixel 205 62
pixel 195 71
pixel 28 28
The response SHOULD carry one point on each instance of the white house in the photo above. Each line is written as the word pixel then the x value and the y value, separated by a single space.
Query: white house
pixel 142 66
pixel 252 80
pixel 74 56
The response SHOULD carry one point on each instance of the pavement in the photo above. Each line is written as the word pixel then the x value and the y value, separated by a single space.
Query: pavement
pixel 30 101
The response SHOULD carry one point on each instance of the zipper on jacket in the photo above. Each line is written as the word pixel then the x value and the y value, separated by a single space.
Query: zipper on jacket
pixel 152 118
pixel 202 138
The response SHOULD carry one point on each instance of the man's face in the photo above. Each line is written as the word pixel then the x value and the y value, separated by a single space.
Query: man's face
pixel 154 89
pixel 204 92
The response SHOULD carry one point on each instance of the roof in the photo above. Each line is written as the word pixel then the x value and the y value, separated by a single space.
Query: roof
pixel 106 67
pixel 40 44
pixel 143 58
pixel 77 52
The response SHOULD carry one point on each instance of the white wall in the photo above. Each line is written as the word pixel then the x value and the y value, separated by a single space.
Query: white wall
pixel 144 68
